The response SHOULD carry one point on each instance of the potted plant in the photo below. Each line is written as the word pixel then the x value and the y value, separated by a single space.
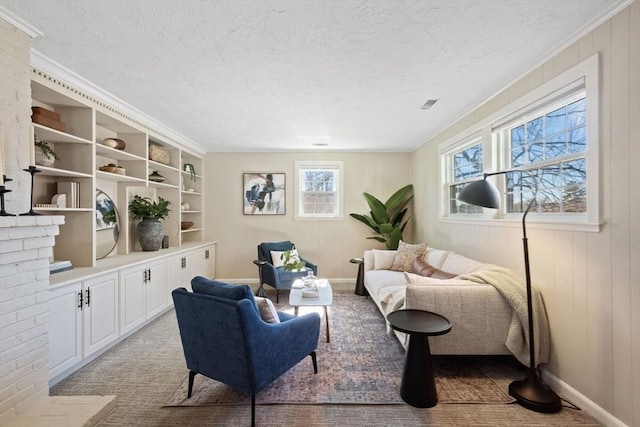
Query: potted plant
pixel 292 261
pixel 387 219
pixel 44 154
pixel 188 167
pixel 150 230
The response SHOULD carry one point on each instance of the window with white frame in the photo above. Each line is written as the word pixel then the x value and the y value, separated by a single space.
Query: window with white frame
pixel 319 189
pixel 548 147
pixel 548 139
pixel 464 164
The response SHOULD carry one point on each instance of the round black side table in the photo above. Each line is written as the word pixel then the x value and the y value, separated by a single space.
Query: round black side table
pixel 418 385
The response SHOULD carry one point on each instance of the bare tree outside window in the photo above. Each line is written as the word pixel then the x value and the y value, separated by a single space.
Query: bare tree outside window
pixel 552 147
pixel 467 165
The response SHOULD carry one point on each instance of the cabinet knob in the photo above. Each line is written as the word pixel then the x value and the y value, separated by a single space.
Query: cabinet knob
pixel 206 254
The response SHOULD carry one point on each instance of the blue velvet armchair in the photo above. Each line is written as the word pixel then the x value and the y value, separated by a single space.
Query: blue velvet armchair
pixel 278 277
pixel 224 337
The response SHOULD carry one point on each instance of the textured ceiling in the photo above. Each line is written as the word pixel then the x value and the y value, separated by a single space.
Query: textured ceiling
pixel 259 75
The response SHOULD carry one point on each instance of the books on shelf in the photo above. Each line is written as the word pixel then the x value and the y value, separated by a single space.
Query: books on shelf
pixel 58 266
pixel 72 191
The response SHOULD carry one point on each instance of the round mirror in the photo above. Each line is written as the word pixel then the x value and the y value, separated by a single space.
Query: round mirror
pixel 107 225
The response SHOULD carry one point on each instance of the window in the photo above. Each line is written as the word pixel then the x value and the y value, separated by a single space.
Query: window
pixel 465 164
pixel 548 138
pixel 319 189
pixel 549 149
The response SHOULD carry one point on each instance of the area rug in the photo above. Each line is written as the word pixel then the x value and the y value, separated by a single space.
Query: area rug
pixel 361 365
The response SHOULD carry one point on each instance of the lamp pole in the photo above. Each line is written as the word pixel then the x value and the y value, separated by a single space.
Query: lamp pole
pixel 529 392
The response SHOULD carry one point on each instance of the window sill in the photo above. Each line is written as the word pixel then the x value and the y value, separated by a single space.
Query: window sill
pixel 318 218
pixel 531 224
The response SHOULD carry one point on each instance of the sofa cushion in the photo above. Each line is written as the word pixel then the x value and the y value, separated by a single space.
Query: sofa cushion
pixel 423 268
pixel 458 264
pixel 415 279
pixel 406 254
pixel 383 260
pixel 267 310
pixel 202 285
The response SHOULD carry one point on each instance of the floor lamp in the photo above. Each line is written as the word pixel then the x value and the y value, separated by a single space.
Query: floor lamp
pixel 529 392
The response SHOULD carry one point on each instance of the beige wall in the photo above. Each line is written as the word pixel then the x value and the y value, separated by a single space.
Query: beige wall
pixel 329 243
pixel 590 281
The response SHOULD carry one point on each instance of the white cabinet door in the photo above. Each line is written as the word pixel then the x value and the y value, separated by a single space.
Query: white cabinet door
pixel 175 276
pixel 100 312
pixel 156 288
pixel 210 262
pixel 132 297
pixel 65 328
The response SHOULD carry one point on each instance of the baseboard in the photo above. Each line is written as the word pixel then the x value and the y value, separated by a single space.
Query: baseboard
pixel 580 400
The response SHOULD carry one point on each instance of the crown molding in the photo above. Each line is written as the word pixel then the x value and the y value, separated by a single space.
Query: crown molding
pixel 62 73
pixel 19 23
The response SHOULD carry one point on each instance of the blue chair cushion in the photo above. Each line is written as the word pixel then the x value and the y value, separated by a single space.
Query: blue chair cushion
pixel 202 285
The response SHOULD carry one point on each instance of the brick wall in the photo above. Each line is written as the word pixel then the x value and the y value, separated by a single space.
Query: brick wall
pixel 25 243
pixel 15 113
pixel 25 247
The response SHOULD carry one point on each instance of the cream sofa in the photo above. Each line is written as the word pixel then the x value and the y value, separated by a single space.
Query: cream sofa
pixel 481 317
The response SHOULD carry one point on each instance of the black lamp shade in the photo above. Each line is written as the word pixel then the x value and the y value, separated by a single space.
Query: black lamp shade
pixel 480 193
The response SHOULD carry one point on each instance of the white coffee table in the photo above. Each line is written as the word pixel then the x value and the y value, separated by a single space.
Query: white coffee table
pixel 324 299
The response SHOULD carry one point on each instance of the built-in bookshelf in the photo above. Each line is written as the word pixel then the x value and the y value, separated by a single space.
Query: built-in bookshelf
pixel 120 172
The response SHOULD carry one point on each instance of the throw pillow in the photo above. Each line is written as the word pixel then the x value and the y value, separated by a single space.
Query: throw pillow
pixel 202 285
pixel 267 310
pixel 406 254
pixel 276 258
pixel 423 268
pixel 383 260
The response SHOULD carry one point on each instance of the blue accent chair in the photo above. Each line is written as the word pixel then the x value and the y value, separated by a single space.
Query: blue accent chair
pixel 224 337
pixel 278 277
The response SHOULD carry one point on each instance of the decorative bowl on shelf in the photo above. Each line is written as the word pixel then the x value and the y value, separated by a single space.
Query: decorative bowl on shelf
pixel 113 169
pixel 116 143
pixel 185 225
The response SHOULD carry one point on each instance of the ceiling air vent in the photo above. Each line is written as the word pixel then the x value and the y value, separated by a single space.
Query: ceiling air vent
pixel 428 104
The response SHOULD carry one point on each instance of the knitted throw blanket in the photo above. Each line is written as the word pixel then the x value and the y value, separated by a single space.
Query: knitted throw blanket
pixel 514 290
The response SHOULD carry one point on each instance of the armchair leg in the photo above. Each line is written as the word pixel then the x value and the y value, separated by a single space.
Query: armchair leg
pixel 253 410
pixel 192 374
pixel 315 362
pixel 277 296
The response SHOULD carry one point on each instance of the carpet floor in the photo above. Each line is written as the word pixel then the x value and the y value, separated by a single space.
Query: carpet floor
pixel 146 369
pixel 361 365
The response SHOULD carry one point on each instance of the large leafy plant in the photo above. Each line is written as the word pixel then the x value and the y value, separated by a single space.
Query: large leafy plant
pixel 144 207
pixel 387 219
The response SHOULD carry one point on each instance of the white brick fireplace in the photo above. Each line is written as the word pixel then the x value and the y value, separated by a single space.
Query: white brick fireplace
pixel 26 243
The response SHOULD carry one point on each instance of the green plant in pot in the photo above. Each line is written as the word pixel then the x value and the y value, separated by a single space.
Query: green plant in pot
pixel 45 156
pixel 387 219
pixel 150 230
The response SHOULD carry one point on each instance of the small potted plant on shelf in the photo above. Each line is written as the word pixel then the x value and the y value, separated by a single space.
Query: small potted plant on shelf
pixel 150 230
pixel 44 154
pixel 188 167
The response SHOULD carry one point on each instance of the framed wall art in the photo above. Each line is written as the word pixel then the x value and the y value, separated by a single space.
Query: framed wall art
pixel 263 193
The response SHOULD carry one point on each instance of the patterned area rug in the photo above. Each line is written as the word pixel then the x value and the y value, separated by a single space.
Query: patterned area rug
pixel 361 365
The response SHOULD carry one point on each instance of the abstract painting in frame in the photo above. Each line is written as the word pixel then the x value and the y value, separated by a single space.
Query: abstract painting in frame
pixel 263 193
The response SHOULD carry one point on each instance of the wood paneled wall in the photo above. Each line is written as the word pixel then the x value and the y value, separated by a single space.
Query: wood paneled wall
pixel 590 281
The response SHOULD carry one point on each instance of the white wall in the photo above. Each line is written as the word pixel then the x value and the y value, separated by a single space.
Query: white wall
pixel 329 243
pixel 590 281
